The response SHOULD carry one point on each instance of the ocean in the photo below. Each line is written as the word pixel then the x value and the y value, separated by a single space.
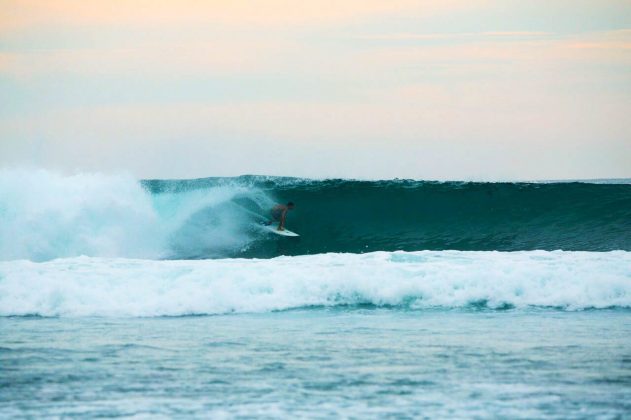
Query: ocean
pixel 404 299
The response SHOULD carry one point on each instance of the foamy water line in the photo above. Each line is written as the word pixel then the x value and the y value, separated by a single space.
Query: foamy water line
pixel 411 280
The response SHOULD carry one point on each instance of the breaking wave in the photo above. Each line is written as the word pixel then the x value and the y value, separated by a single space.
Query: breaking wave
pixel 44 215
pixel 409 280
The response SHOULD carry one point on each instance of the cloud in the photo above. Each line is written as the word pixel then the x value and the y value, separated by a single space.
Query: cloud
pixel 179 59
pixel 26 14
pixel 483 50
pixel 450 35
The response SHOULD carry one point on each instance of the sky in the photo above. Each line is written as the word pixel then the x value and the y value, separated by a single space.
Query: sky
pixel 434 89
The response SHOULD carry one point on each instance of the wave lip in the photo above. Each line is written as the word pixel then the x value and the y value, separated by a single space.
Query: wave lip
pixel 409 280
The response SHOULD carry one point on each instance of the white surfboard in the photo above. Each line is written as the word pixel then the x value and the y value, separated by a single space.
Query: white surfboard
pixel 274 229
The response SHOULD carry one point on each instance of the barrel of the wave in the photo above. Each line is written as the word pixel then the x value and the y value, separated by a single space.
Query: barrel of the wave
pixel 364 216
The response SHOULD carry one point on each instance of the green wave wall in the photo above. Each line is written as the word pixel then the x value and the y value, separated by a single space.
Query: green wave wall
pixel 365 216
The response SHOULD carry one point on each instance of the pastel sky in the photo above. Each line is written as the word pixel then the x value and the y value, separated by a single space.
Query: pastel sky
pixel 434 89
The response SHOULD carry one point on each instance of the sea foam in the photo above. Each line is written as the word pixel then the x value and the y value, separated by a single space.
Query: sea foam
pixel 46 215
pixel 411 280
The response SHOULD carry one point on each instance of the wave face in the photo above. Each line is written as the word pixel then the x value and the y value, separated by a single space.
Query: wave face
pixel 414 281
pixel 362 216
pixel 44 215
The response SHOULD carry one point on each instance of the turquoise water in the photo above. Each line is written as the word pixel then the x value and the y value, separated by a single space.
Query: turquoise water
pixel 335 362
pixel 365 216
pixel 401 299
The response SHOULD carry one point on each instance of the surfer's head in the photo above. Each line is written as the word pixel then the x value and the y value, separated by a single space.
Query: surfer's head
pixel 290 205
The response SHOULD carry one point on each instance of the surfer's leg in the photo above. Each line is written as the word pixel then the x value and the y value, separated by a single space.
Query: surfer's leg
pixel 275 218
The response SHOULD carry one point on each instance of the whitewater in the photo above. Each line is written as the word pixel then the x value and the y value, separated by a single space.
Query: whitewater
pixel 157 298
pixel 404 280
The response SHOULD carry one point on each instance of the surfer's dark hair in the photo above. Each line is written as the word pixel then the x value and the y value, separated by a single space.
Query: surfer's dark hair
pixel 290 204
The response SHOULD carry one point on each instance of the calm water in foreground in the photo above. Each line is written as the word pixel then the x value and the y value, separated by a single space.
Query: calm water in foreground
pixel 322 362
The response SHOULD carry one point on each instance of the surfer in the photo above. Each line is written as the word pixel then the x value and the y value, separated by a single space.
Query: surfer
pixel 279 214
